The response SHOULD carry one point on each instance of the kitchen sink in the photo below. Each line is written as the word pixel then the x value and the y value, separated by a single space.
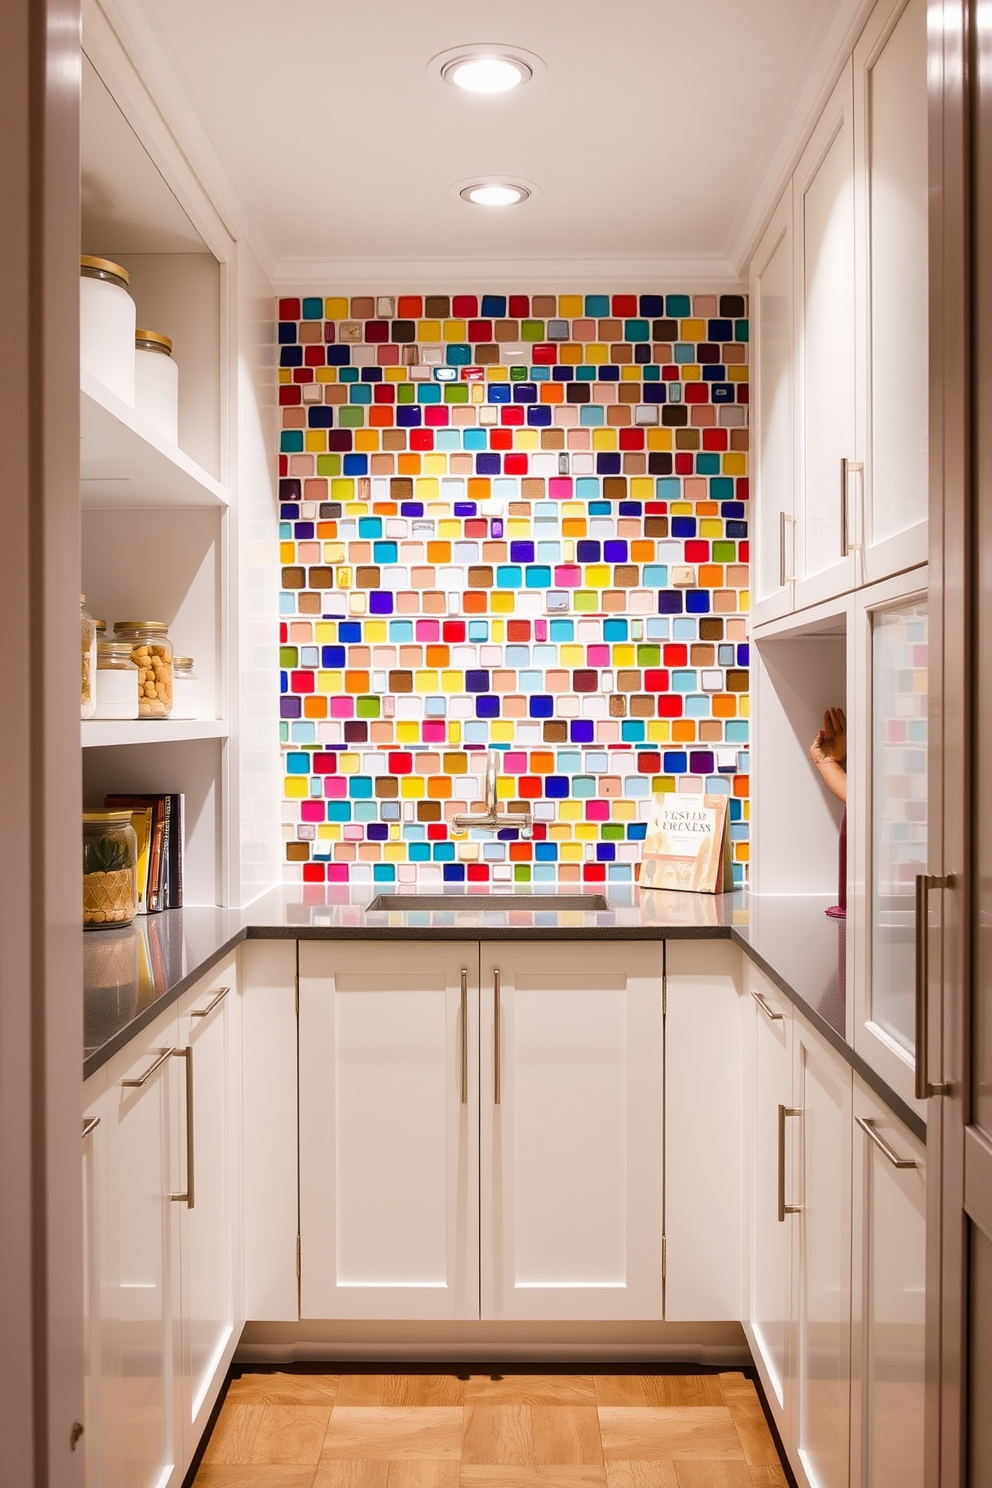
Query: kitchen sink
pixel 481 903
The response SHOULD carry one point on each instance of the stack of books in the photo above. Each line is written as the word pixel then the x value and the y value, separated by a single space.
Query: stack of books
pixel 158 826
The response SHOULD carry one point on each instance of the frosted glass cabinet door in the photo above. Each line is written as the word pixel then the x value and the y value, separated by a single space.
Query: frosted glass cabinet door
pixel 889 1299
pixel 890 72
pixel 894 644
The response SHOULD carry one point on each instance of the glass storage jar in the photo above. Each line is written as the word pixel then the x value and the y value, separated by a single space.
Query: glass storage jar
pixel 87 661
pixel 151 652
pixel 106 325
pixel 156 382
pixel 116 681
pixel 110 879
pixel 185 689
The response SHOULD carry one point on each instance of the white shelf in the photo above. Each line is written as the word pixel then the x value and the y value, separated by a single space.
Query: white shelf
pixel 100 732
pixel 125 462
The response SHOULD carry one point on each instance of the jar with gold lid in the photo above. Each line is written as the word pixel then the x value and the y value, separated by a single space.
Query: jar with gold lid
pixel 106 325
pixel 151 652
pixel 156 383
pixel 116 681
pixel 87 661
pixel 110 880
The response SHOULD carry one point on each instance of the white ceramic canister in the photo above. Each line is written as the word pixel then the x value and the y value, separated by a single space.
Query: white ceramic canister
pixel 156 382
pixel 106 325
pixel 116 681
pixel 185 688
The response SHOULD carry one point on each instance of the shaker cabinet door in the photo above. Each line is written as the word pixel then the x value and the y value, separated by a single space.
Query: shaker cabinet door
pixel 389 1151
pixel 890 1201
pixel 571 1082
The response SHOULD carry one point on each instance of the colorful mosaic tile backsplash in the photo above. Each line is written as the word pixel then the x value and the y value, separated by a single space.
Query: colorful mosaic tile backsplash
pixel 510 522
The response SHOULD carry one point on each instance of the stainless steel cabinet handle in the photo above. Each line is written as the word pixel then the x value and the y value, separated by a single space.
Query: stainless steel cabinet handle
pixel 783 1207
pixel 464 1014
pixel 164 1054
pixel 767 1009
pixel 847 469
pixel 785 519
pixel 868 1127
pixel 90 1126
pixel 187 1198
pixel 924 883
pixel 221 993
pixel 496 1039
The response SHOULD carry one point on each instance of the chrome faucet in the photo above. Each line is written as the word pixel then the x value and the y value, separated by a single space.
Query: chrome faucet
pixel 523 821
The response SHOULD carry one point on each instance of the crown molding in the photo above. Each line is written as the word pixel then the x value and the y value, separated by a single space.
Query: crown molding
pixel 534 275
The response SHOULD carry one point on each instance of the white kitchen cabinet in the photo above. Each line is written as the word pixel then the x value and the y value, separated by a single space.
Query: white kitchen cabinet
pixel 96 1272
pixel 890 131
pixel 704 1131
pixel 822 1258
pixel 163 1239
pixel 572 1125
pixel 140 1418
pixel 770 1181
pixel 826 425
pixel 565 1054
pixel 389 1144
pixel 889 1262
pixel 841 497
pixel 773 415
pixel 211 1309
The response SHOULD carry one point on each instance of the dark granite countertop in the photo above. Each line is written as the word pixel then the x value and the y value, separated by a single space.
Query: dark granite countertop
pixel 132 975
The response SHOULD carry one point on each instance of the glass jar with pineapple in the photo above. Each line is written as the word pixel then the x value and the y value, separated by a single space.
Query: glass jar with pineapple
pixel 110 879
pixel 151 652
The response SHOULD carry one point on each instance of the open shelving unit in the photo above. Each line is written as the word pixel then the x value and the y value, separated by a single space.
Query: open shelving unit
pixel 160 521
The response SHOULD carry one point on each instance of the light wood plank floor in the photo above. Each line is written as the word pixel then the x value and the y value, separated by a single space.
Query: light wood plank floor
pixel 521 1431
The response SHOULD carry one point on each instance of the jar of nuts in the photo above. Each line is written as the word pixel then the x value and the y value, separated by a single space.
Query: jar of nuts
pixel 151 652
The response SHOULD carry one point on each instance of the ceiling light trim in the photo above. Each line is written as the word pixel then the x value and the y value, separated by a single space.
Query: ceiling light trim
pixel 461 189
pixel 444 64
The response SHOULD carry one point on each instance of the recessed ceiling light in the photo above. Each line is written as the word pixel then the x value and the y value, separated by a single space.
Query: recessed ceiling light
pixel 486 72
pixel 486 67
pixel 494 194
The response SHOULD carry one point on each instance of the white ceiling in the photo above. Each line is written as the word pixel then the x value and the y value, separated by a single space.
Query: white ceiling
pixel 657 137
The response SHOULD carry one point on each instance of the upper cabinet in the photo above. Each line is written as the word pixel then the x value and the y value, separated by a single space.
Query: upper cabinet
pixel 839 304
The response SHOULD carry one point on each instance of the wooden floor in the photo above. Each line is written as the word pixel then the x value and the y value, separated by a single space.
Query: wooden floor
pixel 522 1431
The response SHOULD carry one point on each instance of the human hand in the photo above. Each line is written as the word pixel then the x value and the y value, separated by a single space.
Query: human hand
pixel 831 741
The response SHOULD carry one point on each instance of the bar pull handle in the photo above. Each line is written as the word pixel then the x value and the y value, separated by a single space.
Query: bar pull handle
pixel 783 1207
pixel 766 1008
pixel 164 1054
pixel 90 1126
pixel 868 1127
pixel 924 883
pixel 187 1198
pixel 464 1017
pixel 786 519
pixel 497 1093
pixel 218 998
pixel 847 543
